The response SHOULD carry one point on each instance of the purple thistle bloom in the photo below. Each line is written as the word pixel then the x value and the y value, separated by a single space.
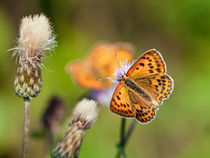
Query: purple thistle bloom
pixel 121 71
pixel 104 96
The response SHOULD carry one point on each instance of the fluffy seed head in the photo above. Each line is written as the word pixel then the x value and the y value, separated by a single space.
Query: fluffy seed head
pixel 35 36
pixel 83 117
pixel 85 111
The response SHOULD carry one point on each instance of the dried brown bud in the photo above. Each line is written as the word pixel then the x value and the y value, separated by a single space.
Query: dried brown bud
pixel 54 114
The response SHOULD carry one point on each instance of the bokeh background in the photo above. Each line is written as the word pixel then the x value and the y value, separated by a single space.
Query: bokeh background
pixel 179 29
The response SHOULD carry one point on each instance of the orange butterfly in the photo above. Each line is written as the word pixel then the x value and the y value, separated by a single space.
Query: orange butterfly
pixel 100 63
pixel 142 88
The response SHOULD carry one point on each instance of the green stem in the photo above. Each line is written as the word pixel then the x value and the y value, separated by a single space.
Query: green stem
pixel 26 128
pixel 129 132
pixel 121 144
pixel 125 137
pixel 122 131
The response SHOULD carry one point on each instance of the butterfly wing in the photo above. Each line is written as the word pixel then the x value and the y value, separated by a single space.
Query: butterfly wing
pixel 83 75
pixel 121 103
pixel 99 64
pixel 144 111
pixel 103 59
pixel 150 63
pixel 158 86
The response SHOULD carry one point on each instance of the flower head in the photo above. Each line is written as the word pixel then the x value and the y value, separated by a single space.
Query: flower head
pixel 103 96
pixel 85 111
pixel 83 117
pixel 121 71
pixel 35 37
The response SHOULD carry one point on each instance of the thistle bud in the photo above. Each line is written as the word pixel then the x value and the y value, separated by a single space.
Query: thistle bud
pixel 54 114
pixel 83 117
pixel 35 37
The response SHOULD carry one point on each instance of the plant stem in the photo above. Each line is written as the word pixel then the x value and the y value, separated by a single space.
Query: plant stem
pixel 122 130
pixel 125 137
pixel 26 127
pixel 129 132
pixel 121 144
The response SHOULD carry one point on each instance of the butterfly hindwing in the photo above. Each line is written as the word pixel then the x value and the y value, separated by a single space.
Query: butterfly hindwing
pixel 158 86
pixel 150 63
pixel 121 103
pixel 144 111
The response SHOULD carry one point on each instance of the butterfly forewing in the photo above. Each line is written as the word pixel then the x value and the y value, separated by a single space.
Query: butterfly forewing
pixel 144 110
pixel 121 103
pixel 150 63
pixel 158 86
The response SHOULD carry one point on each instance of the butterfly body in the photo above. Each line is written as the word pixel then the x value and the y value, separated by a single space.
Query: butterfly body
pixel 143 88
pixel 131 86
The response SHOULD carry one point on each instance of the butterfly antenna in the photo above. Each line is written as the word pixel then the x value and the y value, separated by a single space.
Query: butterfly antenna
pixel 105 79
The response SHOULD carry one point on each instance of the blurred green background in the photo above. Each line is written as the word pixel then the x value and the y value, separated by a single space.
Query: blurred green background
pixel 179 29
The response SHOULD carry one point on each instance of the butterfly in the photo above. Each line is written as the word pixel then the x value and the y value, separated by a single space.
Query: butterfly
pixel 99 64
pixel 143 88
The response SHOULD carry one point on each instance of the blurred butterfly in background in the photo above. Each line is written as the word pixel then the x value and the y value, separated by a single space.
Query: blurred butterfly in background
pixel 142 88
pixel 100 63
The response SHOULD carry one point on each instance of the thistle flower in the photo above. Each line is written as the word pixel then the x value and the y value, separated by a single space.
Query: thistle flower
pixel 121 71
pixel 35 37
pixel 103 96
pixel 54 114
pixel 83 117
